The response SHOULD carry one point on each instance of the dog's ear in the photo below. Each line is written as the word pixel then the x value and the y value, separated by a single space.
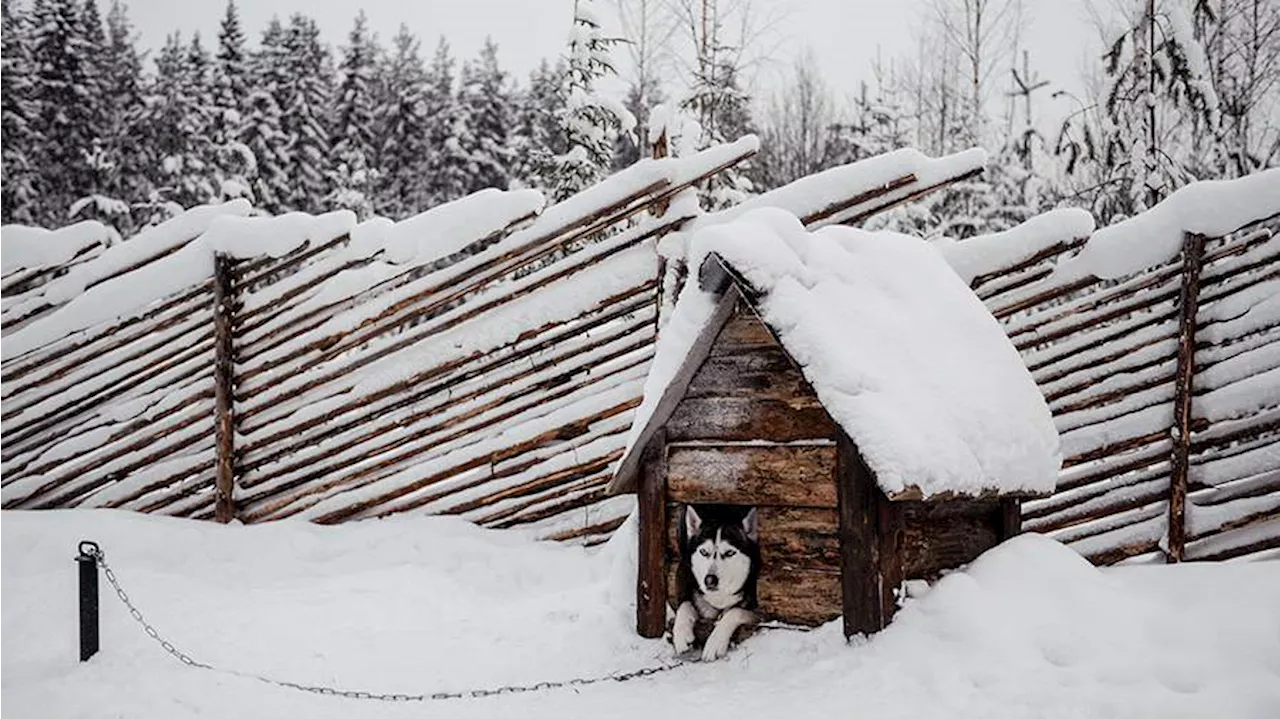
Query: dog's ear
pixel 749 525
pixel 692 522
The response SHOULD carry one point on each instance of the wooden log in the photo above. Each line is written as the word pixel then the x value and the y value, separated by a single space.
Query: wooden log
pixel 651 605
pixel 1050 252
pixel 554 435
pixel 58 473
pixel 103 359
pixel 224 387
pixel 601 528
pixel 433 302
pixel 587 468
pixel 859 546
pixel 865 214
pixel 424 437
pixel 1127 498
pixel 37 426
pixel 444 376
pixel 747 418
pixel 67 353
pixel 1232 552
pixel 1043 297
pixel 939 536
pixel 845 205
pixel 803 597
pixel 1192 256
pixel 747 474
pixel 369 471
pixel 558 500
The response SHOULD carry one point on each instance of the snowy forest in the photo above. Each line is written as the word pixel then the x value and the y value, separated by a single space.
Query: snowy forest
pixel 96 127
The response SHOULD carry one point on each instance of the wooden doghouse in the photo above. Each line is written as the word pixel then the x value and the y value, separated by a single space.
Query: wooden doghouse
pixel 740 423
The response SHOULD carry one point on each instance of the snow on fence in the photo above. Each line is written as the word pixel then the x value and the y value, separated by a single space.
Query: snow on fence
pixel 1157 344
pixel 482 359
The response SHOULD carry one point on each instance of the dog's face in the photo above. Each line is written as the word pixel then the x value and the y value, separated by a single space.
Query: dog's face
pixel 720 555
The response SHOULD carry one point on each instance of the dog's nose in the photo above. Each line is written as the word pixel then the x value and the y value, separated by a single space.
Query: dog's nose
pixel 712 581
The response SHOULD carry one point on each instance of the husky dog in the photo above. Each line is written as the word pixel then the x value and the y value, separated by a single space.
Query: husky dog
pixel 722 558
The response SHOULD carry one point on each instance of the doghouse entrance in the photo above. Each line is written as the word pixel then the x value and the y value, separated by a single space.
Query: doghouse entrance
pixel 799 579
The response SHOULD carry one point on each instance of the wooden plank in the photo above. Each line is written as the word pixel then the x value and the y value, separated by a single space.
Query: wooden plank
pixel 651 607
pixel 938 536
pixel 1188 302
pixel 746 418
pixel 891 528
pixel 759 372
pixel 748 474
pixel 1010 518
pixel 859 563
pixel 743 332
pixel 798 596
pixel 224 387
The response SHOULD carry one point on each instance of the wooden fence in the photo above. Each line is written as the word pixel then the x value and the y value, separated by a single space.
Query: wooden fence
pixel 495 377
pixel 1165 387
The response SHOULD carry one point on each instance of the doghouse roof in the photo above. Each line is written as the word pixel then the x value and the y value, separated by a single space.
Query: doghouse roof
pixel 902 355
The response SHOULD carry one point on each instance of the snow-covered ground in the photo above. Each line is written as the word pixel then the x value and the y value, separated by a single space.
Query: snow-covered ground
pixel 419 605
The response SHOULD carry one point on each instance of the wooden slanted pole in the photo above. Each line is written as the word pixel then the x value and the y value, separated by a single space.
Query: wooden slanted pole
pixel 1188 302
pixel 651 583
pixel 224 388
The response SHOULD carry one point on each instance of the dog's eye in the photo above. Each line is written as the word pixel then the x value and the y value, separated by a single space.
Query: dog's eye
pixel 729 553
pixel 705 552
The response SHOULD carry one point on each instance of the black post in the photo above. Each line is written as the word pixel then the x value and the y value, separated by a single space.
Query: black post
pixel 88 561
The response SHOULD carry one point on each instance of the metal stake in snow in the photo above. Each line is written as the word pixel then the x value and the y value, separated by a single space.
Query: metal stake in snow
pixel 88 561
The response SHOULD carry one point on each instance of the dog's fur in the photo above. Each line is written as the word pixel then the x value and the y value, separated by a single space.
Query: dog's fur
pixel 720 562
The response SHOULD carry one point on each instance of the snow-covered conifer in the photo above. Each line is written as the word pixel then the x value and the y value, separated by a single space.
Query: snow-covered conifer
pixel 486 115
pixel 592 121
pixel 354 135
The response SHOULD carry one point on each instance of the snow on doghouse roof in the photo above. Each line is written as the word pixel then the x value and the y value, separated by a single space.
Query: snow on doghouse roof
pixel 900 352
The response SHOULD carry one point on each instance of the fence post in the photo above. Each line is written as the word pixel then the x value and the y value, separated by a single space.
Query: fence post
pixel 224 387
pixel 87 561
pixel 1183 381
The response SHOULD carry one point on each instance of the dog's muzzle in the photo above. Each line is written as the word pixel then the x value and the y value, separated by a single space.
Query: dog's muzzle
pixel 712 582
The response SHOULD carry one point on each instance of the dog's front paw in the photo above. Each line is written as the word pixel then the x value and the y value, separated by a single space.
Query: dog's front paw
pixel 681 637
pixel 717 646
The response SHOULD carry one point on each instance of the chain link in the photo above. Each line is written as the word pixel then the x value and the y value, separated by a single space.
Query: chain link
pixel 101 559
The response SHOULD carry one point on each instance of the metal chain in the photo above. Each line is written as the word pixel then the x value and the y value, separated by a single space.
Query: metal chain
pixel 185 658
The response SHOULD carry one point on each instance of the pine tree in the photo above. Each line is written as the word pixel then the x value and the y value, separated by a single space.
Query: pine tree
pixel 178 124
pixel 63 85
pixel 234 162
pixel 124 114
pixel 539 136
pixel 354 132
pixel 405 140
pixel 486 116
pixel 448 165
pixel 592 123
pixel 305 100
pixel 262 132
pixel 1158 113
pixel 19 134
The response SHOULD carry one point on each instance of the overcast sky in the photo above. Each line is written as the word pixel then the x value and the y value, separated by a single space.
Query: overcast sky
pixel 844 35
